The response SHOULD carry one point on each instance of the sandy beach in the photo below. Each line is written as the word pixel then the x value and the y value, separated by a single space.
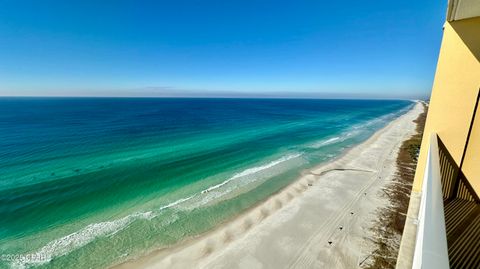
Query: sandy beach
pixel 322 220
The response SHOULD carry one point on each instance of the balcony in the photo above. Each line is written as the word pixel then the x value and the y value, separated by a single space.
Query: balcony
pixel 448 218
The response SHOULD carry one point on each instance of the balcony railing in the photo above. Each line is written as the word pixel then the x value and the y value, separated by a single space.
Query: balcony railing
pixel 448 233
pixel 454 183
pixel 431 250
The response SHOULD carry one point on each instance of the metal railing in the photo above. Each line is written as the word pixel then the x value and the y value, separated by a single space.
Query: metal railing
pixel 454 183
pixel 431 250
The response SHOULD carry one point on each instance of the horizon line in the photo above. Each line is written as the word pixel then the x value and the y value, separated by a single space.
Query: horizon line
pixel 210 97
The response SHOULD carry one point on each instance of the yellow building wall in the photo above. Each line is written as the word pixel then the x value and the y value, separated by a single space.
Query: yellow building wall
pixel 471 164
pixel 454 93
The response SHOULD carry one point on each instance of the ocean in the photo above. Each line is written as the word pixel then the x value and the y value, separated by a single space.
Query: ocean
pixel 91 182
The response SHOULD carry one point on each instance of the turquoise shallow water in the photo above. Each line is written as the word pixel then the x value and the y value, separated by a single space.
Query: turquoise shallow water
pixel 89 182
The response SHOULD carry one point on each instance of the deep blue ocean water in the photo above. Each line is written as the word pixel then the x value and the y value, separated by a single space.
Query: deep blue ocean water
pixel 88 182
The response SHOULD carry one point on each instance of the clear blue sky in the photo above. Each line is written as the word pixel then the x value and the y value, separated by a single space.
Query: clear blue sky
pixel 298 48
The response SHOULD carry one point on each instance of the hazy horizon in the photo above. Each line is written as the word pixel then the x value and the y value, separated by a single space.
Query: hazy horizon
pixel 201 95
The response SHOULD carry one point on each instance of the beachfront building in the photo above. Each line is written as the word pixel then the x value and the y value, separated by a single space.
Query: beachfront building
pixel 442 229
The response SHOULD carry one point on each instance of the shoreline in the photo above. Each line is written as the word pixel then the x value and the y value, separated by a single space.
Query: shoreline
pixel 284 223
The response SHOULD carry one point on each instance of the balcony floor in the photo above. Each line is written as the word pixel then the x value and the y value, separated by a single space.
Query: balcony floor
pixel 462 221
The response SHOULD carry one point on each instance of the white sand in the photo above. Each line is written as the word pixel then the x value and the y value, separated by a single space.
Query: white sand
pixel 292 229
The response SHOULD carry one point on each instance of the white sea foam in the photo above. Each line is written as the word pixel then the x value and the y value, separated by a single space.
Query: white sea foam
pixel 326 142
pixel 179 201
pixel 253 170
pixel 356 129
pixel 382 119
pixel 69 243
pixel 213 193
